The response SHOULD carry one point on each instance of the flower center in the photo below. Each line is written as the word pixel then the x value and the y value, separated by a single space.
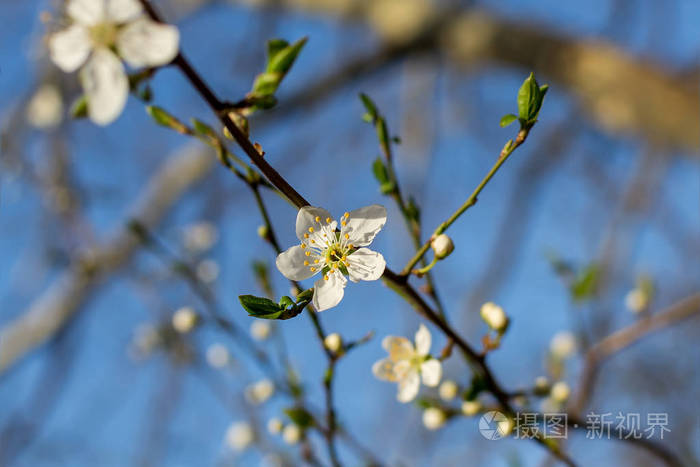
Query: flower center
pixel 103 34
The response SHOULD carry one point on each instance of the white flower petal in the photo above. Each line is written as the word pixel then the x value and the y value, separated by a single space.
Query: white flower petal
pixel 70 48
pixel 408 387
pixel 86 12
pixel 384 370
pixel 363 224
pixel 121 11
pixel 366 265
pixel 399 348
pixel 291 264
pixel 328 293
pixel 106 86
pixel 147 43
pixel 306 218
pixel 431 372
pixel 423 341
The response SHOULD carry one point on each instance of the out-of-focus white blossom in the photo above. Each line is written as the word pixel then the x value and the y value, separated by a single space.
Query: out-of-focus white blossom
pixel 259 392
pixel 494 316
pixel 146 339
pixel 637 300
pixel 333 342
pixel 448 390
pixel 407 364
pixel 239 436
pixel 207 271
pixel 542 385
pixel 260 329
pixel 563 345
pixel 471 408
pixel 399 20
pixel 505 427
pixel 442 246
pixel 274 426
pixel 218 356
pixel 184 319
pixel 45 108
pixel 560 391
pixel 291 434
pixel 200 237
pixel 434 418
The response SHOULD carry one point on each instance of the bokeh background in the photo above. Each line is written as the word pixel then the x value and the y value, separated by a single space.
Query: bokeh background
pixel 609 176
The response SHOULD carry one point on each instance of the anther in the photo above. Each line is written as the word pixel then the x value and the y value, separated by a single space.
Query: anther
pixel 318 219
pixel 311 229
pixel 313 269
pixel 347 236
pixel 303 245
pixel 306 263
pixel 308 253
pixel 328 220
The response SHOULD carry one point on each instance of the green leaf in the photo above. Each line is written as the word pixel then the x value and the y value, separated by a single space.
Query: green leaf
pixel 79 109
pixel 370 107
pixel 412 209
pixel 274 46
pixel 282 58
pixel 382 131
pixel 203 128
pixel 306 295
pixel 300 416
pixel 163 118
pixel 507 120
pixel 285 302
pixel 260 307
pixel 266 84
pixel 585 284
pixel 380 170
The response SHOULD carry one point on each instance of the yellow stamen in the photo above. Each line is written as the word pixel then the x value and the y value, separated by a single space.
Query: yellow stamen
pixel 325 278
pixel 318 219
pixel 308 253
pixel 306 235
pixel 347 236
pixel 316 261
pixel 313 241
pixel 343 223
pixel 306 263
pixel 347 214
pixel 303 245
pixel 311 229
pixel 313 269
pixel 328 220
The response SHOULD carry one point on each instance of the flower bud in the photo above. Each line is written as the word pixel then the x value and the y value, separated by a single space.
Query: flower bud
pixel 442 246
pixel 471 408
pixel 239 436
pixel 263 232
pixel 184 320
pixel 636 300
pixel 433 418
pixel 494 316
pixel 217 356
pixel 542 386
pixel 448 390
pixel 291 434
pixel 333 342
pixel 560 391
pixel 274 426
pixel 563 345
pixel 259 392
pixel 260 329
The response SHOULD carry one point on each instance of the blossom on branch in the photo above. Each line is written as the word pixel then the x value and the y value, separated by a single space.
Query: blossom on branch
pixel 407 364
pixel 334 254
pixel 101 33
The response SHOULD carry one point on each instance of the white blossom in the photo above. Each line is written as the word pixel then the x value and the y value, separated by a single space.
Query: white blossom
pixel 407 364
pixel 207 271
pixel 260 329
pixel 291 434
pixel 560 391
pixel 100 34
pixel 637 300
pixel 45 108
pixel 200 236
pixel 333 342
pixel 471 408
pixel 334 254
pixel 448 390
pixel 184 319
pixel 259 392
pixel 494 316
pixel 563 345
pixel 274 426
pixel 239 436
pixel 217 356
pixel 442 246
pixel 433 418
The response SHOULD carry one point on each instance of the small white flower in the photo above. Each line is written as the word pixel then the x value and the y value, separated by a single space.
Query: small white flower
pixel 333 342
pixel 494 316
pixel 260 329
pixel 98 29
pixel 448 390
pixel 442 246
pixel 274 426
pixel 239 436
pixel 434 418
pixel 184 319
pixel 406 364
pixel 560 391
pixel 217 356
pixel 563 345
pixel 45 108
pixel 333 254
pixel 291 434
pixel 636 300
pixel 200 237
pixel 259 392
pixel 471 408
pixel 207 271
